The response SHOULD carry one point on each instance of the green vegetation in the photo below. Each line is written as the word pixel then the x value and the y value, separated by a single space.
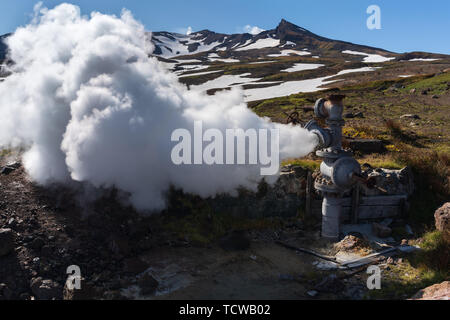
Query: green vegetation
pixel 305 163
pixel 191 218
pixel 436 85
pixel 417 271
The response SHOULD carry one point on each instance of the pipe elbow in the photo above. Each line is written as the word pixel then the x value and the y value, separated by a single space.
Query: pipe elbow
pixel 324 135
pixel 330 109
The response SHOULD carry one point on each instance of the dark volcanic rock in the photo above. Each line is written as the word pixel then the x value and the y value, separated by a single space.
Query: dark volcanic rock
pixel 7 170
pixel 37 243
pixel 7 238
pixel 45 289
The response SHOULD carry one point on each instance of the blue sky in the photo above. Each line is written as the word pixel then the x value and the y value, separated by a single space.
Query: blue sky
pixel 407 25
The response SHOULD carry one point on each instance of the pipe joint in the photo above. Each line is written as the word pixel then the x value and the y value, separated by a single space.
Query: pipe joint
pixel 331 109
pixel 324 135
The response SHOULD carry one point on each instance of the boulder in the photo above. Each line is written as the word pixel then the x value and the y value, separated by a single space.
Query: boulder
pixel 351 243
pixel 442 219
pixel 440 291
pixel 7 238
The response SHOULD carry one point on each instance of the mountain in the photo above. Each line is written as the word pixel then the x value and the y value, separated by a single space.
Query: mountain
pixel 285 35
pixel 279 62
pixel 3 46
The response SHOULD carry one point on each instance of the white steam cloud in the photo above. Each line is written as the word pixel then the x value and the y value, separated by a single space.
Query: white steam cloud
pixel 90 106
pixel 254 30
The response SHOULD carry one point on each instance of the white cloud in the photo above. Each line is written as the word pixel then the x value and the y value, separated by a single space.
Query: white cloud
pixel 189 30
pixel 253 29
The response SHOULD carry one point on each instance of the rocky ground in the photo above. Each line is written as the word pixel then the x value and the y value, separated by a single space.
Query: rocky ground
pixel 123 255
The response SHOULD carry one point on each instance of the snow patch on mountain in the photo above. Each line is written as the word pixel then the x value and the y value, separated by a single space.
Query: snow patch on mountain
pixel 371 58
pixel 288 52
pixel 225 81
pixel 261 43
pixel 303 66
pixel 423 59
pixel 291 87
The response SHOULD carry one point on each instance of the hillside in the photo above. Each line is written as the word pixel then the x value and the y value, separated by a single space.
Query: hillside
pixel 283 61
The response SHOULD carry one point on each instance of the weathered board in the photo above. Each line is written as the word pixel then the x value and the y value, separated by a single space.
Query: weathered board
pixel 368 207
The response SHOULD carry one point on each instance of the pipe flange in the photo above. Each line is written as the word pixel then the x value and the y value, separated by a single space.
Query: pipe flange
pixel 343 172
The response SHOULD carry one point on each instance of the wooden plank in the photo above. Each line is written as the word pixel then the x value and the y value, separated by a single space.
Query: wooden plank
pixel 376 200
pixel 370 258
pixel 369 201
pixel 394 200
pixel 371 212
pixel 368 208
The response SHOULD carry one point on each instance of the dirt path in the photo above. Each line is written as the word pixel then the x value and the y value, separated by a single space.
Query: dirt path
pixel 265 271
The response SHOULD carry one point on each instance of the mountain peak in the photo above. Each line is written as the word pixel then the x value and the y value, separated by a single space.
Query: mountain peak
pixel 286 25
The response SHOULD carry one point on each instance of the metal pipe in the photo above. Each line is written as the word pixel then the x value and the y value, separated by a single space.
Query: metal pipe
pixel 339 171
pixel 331 215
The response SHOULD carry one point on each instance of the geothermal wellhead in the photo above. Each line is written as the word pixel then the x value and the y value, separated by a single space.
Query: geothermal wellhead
pixel 338 171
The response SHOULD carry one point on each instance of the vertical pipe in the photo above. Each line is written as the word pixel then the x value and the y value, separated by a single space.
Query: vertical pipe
pixel 331 213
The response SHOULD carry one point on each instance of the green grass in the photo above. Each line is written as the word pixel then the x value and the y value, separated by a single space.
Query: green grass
pixel 436 84
pixel 305 163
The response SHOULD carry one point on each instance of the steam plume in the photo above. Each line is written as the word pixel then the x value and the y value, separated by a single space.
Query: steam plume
pixel 90 106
